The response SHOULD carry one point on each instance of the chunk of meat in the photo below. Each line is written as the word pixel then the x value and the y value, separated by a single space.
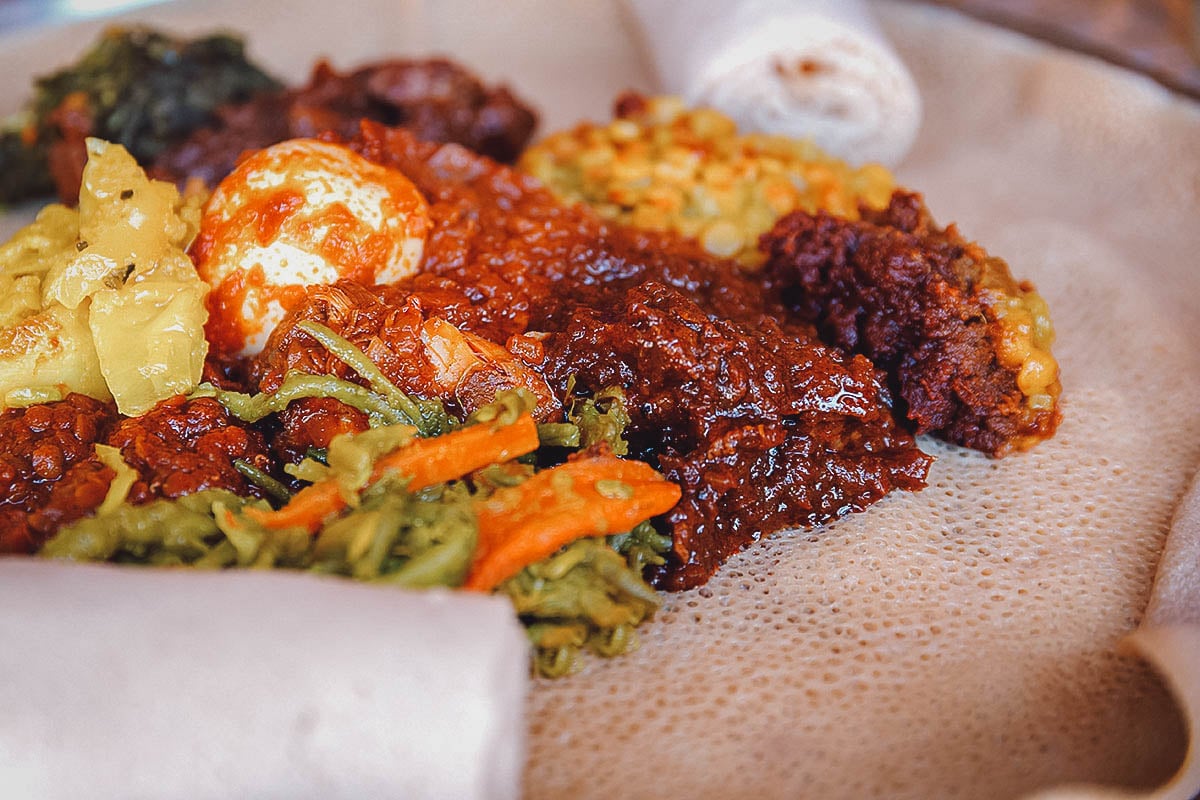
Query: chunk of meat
pixel 424 355
pixel 965 345
pixel 436 99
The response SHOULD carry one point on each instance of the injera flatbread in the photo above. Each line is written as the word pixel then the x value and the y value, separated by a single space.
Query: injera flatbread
pixel 155 684
pixel 817 69
pixel 969 640
pixel 963 641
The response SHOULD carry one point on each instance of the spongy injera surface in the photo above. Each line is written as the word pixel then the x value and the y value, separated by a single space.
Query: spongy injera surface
pixel 959 642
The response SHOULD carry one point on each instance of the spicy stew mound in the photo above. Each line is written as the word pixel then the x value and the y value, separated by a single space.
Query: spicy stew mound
pixel 617 345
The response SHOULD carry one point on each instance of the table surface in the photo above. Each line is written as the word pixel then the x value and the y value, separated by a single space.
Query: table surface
pixel 1160 38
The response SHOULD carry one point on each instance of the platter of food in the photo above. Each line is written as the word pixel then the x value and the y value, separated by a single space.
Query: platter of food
pixel 630 371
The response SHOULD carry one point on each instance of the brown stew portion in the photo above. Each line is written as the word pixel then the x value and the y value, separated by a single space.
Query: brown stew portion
pixel 436 99
pixel 763 426
pixel 730 392
pixel 966 346
pixel 50 474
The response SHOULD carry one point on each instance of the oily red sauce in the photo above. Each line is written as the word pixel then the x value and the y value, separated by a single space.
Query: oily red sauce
pixel 268 216
pixel 184 447
pixel 50 474
pixel 345 244
pixel 228 328
pixel 731 397
pixel 760 429
pixel 313 422
pixel 342 240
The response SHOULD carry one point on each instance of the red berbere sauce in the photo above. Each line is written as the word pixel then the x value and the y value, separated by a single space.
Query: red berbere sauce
pixel 761 430
pixel 313 422
pixel 50 474
pixel 184 447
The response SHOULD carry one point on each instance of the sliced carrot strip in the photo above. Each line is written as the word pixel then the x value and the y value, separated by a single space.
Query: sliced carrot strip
pixel 521 525
pixel 424 462
pixel 308 508
pixel 453 455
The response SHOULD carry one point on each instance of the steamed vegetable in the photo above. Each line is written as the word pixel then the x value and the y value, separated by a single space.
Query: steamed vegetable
pixel 422 463
pixel 590 595
pixel 392 537
pixel 180 531
pixel 45 350
pixel 568 543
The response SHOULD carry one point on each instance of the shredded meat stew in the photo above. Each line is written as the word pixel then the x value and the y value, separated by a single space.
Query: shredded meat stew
pixel 438 100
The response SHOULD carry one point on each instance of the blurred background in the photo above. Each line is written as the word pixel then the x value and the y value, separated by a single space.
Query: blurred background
pixel 1160 38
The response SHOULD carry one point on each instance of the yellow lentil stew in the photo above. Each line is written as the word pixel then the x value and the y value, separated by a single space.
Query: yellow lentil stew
pixel 663 166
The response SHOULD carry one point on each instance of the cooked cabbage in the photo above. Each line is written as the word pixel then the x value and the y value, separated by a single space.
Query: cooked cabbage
pixel 104 300
pixel 48 350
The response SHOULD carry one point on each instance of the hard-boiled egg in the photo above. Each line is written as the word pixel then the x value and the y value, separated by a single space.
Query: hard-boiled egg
pixel 298 213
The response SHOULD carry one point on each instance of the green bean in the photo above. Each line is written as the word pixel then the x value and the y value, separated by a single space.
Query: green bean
pixel 246 537
pixel 443 564
pixel 427 420
pixel 589 595
pixel 224 554
pixel 508 405
pixel 299 385
pixel 586 595
pixel 600 418
pixel 183 527
pixel 613 641
pixel 557 566
pixel 558 434
pixel 628 583
pixel 272 488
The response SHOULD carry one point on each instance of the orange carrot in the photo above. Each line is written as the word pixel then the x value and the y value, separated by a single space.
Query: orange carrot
pixel 452 455
pixel 594 496
pixel 423 461
pixel 308 508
